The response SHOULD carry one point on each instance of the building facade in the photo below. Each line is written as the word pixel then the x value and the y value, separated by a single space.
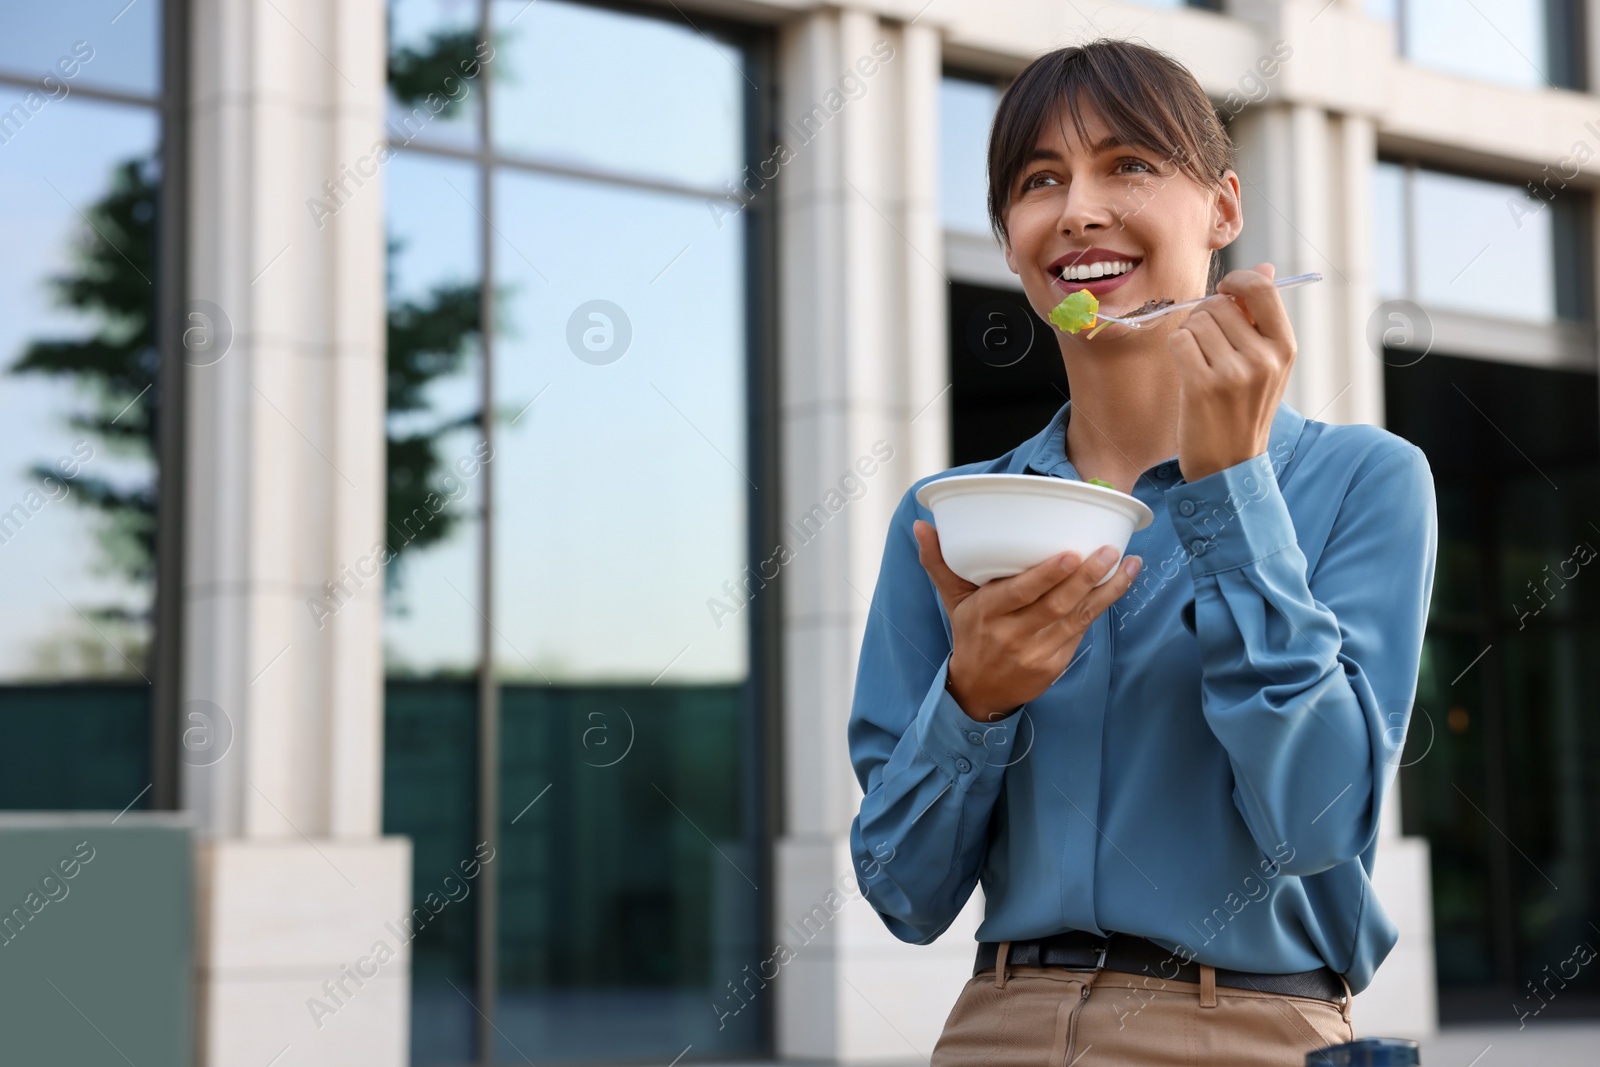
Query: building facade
pixel 448 446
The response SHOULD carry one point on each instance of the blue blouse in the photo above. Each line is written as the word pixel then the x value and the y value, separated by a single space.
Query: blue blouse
pixel 1208 770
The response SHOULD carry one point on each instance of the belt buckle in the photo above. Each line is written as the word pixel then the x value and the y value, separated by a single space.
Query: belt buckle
pixel 1100 961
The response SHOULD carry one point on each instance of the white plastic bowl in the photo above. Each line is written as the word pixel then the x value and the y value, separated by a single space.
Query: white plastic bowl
pixel 997 525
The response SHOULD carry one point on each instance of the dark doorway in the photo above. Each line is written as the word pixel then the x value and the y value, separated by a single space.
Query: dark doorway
pixel 1005 372
pixel 1502 764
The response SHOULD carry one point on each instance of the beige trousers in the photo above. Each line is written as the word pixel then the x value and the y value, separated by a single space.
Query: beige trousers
pixel 1050 1017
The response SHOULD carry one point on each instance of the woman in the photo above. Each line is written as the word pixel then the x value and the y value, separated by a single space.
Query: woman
pixel 1170 784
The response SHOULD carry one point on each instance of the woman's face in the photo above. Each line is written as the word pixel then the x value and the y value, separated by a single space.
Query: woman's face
pixel 1072 202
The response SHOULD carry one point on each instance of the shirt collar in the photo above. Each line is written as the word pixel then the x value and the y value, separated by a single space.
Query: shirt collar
pixel 1046 451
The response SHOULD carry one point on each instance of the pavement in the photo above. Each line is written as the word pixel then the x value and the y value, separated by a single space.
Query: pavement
pixel 1540 1043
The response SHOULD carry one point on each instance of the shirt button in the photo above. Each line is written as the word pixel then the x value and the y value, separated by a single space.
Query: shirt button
pixel 1186 507
pixel 1197 547
pixel 1164 471
pixel 963 766
pixel 975 737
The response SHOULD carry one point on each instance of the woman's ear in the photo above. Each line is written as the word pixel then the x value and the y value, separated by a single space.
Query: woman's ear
pixel 1005 247
pixel 1227 211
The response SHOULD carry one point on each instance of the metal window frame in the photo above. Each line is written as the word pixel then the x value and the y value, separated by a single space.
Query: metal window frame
pixel 172 298
pixel 760 751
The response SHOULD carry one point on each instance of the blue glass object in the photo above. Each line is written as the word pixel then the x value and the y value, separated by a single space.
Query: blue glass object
pixel 1367 1052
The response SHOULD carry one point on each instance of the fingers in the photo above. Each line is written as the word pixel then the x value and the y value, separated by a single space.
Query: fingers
pixel 1186 351
pixel 1236 327
pixel 1214 345
pixel 1021 590
pixel 1084 601
pixel 950 584
pixel 1263 299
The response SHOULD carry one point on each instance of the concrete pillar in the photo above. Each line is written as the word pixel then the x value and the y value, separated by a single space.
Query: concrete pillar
pixel 1357 156
pixel 863 360
pixel 285 481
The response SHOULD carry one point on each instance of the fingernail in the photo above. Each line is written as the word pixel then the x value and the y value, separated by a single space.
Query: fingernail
pixel 1133 565
pixel 1107 555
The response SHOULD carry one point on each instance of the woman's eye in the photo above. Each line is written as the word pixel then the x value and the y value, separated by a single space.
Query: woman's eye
pixel 1037 179
pixel 1145 168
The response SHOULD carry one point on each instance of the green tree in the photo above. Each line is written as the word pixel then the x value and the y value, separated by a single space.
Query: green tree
pixel 433 68
pixel 429 337
pixel 112 285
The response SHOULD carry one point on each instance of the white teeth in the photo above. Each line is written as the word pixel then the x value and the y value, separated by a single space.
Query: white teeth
pixel 1090 271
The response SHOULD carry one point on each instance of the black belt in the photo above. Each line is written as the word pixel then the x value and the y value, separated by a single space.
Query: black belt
pixel 1078 950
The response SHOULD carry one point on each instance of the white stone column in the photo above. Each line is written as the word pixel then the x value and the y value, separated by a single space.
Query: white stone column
pixel 1285 158
pixel 1358 155
pixel 285 492
pixel 863 360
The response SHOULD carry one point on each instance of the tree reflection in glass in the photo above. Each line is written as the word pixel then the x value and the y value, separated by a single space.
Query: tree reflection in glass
pixel 114 369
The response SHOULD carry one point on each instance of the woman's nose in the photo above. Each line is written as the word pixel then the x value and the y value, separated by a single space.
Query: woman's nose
pixel 1087 206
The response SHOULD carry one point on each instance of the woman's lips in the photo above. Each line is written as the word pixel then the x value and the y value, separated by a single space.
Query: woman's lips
pixel 1098 286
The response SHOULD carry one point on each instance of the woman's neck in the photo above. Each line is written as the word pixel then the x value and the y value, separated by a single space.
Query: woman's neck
pixel 1124 416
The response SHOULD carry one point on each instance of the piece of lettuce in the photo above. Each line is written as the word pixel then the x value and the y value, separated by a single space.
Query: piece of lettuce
pixel 1100 481
pixel 1075 312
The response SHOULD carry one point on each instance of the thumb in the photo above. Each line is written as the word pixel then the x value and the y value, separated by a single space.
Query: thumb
pixel 1266 268
pixel 952 587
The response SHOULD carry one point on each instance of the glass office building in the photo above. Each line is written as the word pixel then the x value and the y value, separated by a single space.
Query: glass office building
pixel 436 453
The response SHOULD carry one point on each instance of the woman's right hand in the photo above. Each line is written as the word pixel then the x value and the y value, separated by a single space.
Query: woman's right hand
pixel 1013 637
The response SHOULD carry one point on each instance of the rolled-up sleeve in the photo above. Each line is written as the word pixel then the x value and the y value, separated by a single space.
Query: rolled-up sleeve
pixel 1308 679
pixel 930 774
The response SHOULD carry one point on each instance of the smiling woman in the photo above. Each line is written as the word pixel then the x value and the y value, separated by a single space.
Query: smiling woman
pixel 1149 135
pixel 1246 707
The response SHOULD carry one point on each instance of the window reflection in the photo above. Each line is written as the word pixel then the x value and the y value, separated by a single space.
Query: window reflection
pixel 436 69
pixel 646 454
pixel 434 436
pixel 620 485
pixel 109 44
pixel 437 476
pixel 591 88
pixel 78 412
pixel 80 404
pixel 1527 43
pixel 1479 246
pixel 1390 247
pixel 966 109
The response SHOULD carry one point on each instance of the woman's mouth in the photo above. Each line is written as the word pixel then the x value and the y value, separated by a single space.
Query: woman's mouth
pixel 1098 278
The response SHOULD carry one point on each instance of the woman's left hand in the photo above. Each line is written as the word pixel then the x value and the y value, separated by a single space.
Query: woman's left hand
pixel 1233 359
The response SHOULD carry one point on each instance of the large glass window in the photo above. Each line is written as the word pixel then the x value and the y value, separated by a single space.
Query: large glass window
pixel 82 404
pixel 1457 243
pixel 966 110
pixel 1526 43
pixel 570 616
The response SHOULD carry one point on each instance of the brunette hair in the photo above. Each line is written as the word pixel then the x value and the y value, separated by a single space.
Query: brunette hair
pixel 1147 98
